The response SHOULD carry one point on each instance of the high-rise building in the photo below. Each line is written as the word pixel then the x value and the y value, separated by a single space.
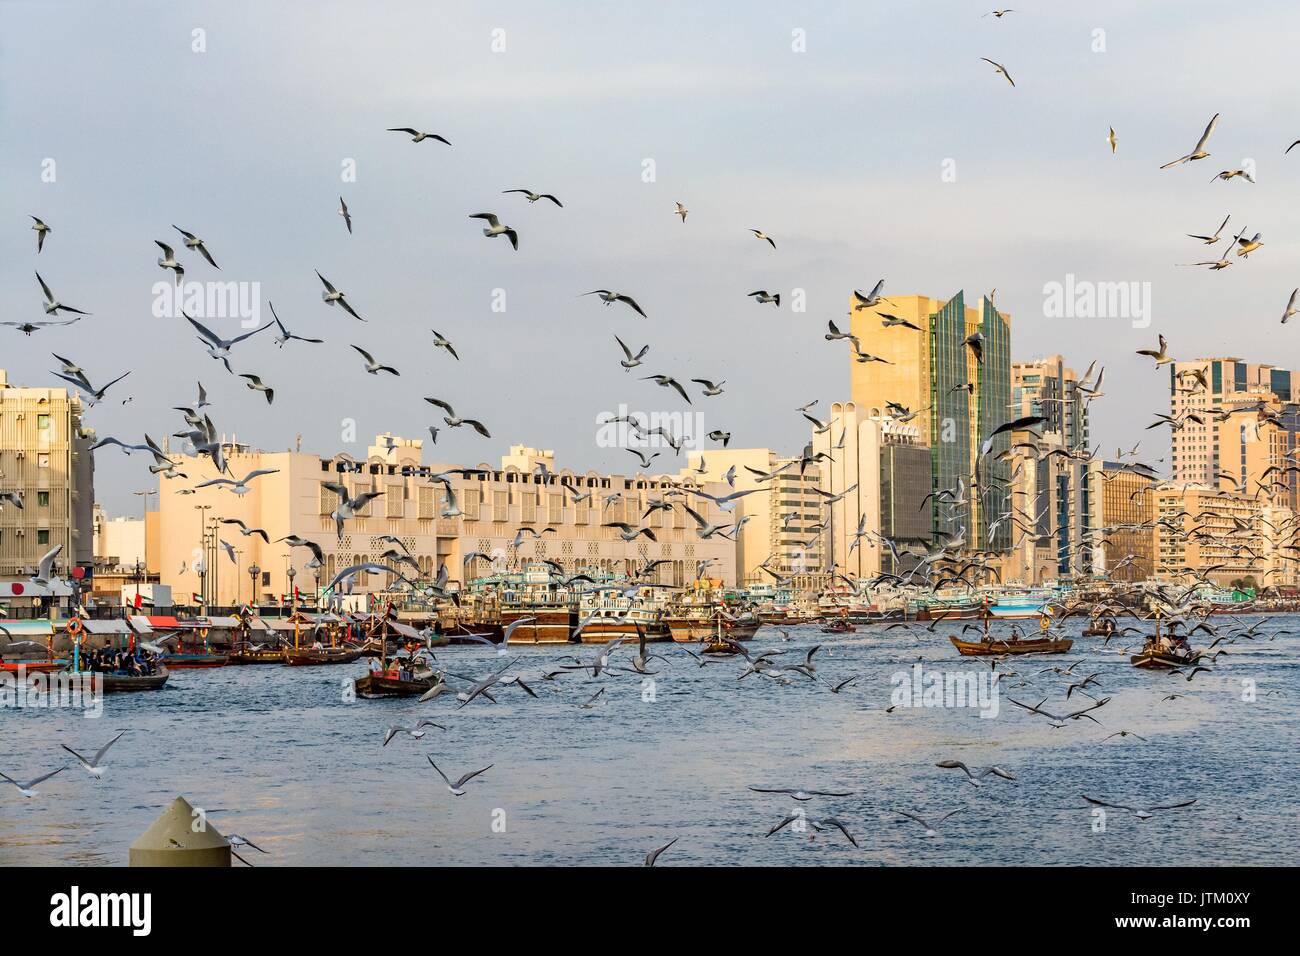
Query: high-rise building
pixel 783 518
pixel 1210 533
pixel 1051 488
pixel 1122 518
pixel 958 399
pixel 1200 387
pixel 45 459
pixel 880 470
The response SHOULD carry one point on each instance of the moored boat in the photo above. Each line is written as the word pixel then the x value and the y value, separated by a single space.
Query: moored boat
pixel 130 683
pixel 312 656
pixel 996 647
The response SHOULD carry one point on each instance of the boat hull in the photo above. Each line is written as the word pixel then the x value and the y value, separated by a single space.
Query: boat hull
pixel 548 625
pixel 374 686
pixel 999 648
pixel 317 656
pixel 257 657
pixel 178 662
pixel 694 630
pixel 1156 660
pixel 33 667
pixel 123 684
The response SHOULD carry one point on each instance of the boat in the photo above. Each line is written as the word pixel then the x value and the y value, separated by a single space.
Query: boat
pixel 1103 627
pixel 187 661
pixel 245 653
pixel 545 623
pixel 1020 603
pixel 606 615
pixel 719 642
pixel 949 611
pixel 988 646
pixel 129 683
pixel 405 674
pixel 840 626
pixel 1164 652
pixel 33 667
pixel 301 655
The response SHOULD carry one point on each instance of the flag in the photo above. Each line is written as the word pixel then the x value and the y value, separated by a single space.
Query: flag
pixel 137 602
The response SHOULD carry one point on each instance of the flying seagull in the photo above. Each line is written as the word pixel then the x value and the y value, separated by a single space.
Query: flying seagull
pixel 41 231
pixel 494 228
pixel 195 244
pixel 454 422
pixel 373 367
pixel 652 857
pixel 609 298
pixel 457 788
pixel 440 341
pixel 416 135
pixel 28 789
pixel 347 216
pixel 533 197
pixel 1199 151
pixel 332 295
pixel 632 361
pixel 94 767
pixel 681 211
pixel 52 305
pixel 999 68
pixel 762 236
pixel 285 336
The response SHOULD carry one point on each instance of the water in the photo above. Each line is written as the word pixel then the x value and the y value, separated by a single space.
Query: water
pixel 275 754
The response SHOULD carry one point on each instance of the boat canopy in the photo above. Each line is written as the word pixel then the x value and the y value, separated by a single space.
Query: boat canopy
pixel 105 627
pixel 40 627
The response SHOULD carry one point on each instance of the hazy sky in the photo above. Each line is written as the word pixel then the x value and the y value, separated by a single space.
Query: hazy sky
pixel 838 152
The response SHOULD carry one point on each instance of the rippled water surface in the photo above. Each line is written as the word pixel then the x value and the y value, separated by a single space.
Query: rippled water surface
pixel 278 755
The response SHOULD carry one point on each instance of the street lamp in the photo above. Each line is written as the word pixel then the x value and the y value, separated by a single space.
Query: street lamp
pixel 293 592
pixel 253 572
pixel 203 552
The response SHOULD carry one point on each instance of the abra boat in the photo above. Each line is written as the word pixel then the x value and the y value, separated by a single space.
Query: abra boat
pixel 33 667
pixel 1163 652
pixel 841 626
pixel 245 653
pixel 988 646
pixel 130 683
pixel 302 655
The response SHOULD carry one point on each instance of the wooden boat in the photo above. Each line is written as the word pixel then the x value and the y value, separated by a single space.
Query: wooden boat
pixel 550 624
pixel 378 684
pixel 128 683
pixel 1100 629
pixel 395 676
pixel 840 626
pixel 243 654
pixel 188 661
pixel 996 648
pixel 312 656
pixel 1152 659
pixel 950 611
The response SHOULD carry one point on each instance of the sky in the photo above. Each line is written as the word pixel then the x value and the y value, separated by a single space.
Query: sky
pixel 868 139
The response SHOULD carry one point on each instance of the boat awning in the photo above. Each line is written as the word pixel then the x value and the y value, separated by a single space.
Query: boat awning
pixel 406 630
pixel 106 627
pixel 140 624
pixel 163 622
pixel 28 629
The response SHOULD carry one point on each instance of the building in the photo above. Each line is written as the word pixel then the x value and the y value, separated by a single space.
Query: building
pixel 880 470
pixel 1123 509
pixel 490 506
pixel 44 458
pixel 1200 388
pixel 1210 533
pixel 1257 440
pixel 1051 487
pixel 783 517
pixel 126 554
pixel 951 397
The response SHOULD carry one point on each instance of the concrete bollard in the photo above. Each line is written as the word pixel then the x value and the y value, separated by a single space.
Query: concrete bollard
pixel 172 841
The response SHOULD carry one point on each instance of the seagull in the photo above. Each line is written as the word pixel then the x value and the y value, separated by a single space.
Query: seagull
pixel 94 395
pixel 257 385
pixel 829 822
pixel 835 334
pixel 1228 174
pixel 1246 246
pixel 667 381
pixel 168 261
pixel 1199 152
pixel 416 732
pixel 978 773
pixel 239 487
pixel 999 68
pixel 52 305
pixel 496 229
pixel 41 231
pixel 1161 355
pixel 442 342
pixel 533 197
pixel 998 13
pixel 1142 813
pixel 347 216
pixel 762 297
pixel 871 299
pixel 653 855
pixel 929 830
pixel 804 795
pixel 218 347
pixel 1124 733
pixel 589 705
pixel 975 342
pixel 195 244
pixel 373 367
pixel 681 211
pixel 631 361
pixel 94 767
pixel 454 422
pixel 1290 306
pixel 762 236
pixel 710 388
pixel 416 135
pixel 285 336
pixel 332 295
pixel 28 789
pixel 246 531
pixel 1113 140
pixel 457 788
pixel 45 567
pixel 609 298
pixel 1211 240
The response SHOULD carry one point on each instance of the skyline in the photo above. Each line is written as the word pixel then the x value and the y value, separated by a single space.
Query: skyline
pixel 257 176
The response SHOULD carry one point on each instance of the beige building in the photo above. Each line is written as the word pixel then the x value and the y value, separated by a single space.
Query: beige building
pixel 493 507
pixel 956 398
pixel 45 459
pixel 1122 520
pixel 1221 535
pixel 783 516
pixel 881 469
pixel 1203 386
